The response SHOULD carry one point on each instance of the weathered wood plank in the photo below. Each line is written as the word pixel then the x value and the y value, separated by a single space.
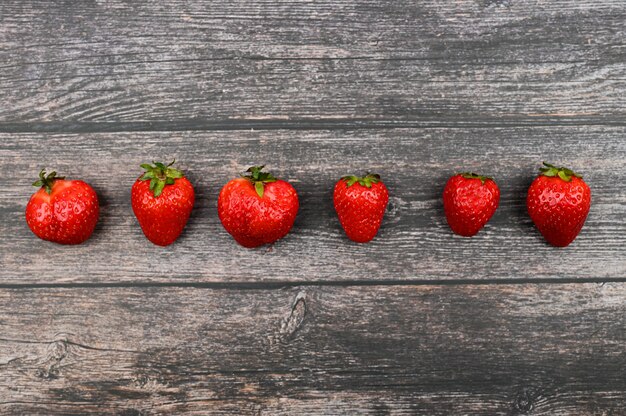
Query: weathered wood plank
pixel 452 62
pixel 414 242
pixel 495 349
pixel 326 65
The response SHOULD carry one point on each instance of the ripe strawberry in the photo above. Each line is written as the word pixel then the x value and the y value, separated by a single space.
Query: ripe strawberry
pixel 360 203
pixel 64 211
pixel 257 208
pixel 162 200
pixel 558 203
pixel 469 202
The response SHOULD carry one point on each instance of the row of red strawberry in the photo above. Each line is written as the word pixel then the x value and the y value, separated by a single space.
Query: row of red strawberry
pixel 258 208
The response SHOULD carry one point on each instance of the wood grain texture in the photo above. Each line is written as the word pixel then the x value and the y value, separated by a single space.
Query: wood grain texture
pixel 195 63
pixel 419 322
pixel 414 242
pixel 497 350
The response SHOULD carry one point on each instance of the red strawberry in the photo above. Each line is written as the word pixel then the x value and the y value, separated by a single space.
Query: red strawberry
pixel 469 202
pixel 360 203
pixel 62 210
pixel 162 200
pixel 558 203
pixel 257 208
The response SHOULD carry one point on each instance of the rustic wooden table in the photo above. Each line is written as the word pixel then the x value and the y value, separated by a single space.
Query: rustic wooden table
pixel 419 321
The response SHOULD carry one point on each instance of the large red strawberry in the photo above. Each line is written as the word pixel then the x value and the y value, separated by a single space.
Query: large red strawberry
pixel 360 203
pixel 558 203
pixel 469 202
pixel 257 208
pixel 162 200
pixel 64 211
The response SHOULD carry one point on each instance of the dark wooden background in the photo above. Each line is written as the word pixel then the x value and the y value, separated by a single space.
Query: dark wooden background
pixel 419 321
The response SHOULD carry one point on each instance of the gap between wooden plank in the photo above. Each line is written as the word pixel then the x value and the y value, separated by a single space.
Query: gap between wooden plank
pixel 243 285
pixel 308 124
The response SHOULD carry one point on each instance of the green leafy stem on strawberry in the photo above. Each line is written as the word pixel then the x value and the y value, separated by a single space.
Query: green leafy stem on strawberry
pixel 472 175
pixel 258 178
pixel 47 181
pixel 160 175
pixel 563 173
pixel 368 180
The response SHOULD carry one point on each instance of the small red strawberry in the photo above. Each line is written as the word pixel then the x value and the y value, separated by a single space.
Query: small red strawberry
pixel 64 211
pixel 162 200
pixel 257 208
pixel 558 203
pixel 360 203
pixel 469 202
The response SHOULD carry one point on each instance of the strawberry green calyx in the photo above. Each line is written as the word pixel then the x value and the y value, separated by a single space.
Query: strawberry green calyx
pixel 368 180
pixel 160 175
pixel 46 181
pixel 563 173
pixel 472 175
pixel 258 178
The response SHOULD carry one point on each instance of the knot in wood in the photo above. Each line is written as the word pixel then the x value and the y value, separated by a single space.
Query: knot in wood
pixel 57 350
pixel 394 207
pixel 295 319
pixel 525 401
pixel 55 353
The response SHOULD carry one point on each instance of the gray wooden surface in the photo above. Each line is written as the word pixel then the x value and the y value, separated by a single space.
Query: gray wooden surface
pixel 493 349
pixel 419 321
